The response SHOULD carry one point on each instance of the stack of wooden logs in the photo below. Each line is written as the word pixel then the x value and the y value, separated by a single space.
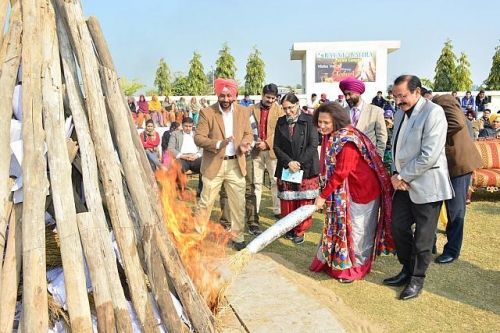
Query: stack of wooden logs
pixel 108 185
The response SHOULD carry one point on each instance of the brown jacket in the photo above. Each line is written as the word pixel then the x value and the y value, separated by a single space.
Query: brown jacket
pixel 272 118
pixel 210 130
pixel 461 151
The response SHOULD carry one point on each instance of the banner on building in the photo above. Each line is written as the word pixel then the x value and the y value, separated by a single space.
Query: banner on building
pixel 338 65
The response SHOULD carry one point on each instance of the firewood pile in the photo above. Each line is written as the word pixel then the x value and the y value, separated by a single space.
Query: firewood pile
pixel 83 198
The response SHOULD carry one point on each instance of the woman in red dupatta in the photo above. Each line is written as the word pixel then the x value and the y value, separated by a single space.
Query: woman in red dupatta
pixel 357 192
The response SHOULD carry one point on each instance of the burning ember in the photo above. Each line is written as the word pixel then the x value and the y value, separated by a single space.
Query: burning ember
pixel 201 245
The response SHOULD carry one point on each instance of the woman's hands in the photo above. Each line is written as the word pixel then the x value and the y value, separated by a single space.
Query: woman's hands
pixel 294 166
pixel 319 203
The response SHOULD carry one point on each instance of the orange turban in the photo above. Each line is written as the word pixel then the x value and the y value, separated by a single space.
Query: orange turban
pixel 231 85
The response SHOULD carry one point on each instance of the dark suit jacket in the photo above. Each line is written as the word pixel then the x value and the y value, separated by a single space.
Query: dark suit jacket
pixel 302 147
pixel 461 152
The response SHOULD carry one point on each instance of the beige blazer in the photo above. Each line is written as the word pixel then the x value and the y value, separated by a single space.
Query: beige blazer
pixel 272 118
pixel 371 123
pixel 210 130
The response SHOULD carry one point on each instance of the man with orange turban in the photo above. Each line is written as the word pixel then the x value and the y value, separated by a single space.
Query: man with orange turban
pixel 368 118
pixel 225 134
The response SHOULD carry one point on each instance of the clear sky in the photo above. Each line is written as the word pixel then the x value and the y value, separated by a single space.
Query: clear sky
pixel 139 33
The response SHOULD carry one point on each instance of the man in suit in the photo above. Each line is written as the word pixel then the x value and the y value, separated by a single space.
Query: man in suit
pixel 421 180
pixel 181 145
pixel 266 114
pixel 368 118
pixel 225 135
pixel 463 158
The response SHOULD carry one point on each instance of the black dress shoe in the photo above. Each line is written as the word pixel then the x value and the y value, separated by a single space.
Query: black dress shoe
pixel 413 288
pixel 345 281
pixel 445 259
pixel 238 246
pixel 399 280
pixel 254 230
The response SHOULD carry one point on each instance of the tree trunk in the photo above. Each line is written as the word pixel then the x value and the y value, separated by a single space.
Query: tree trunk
pixel 60 178
pixel 92 192
pixel 35 312
pixel 108 165
pixel 11 48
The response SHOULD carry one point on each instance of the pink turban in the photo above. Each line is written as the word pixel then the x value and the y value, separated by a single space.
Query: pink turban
pixel 231 85
pixel 353 85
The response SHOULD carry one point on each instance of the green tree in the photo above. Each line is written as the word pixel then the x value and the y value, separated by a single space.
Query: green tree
pixel 197 81
pixel 225 66
pixel 163 78
pixel 427 83
pixel 130 87
pixel 445 77
pixel 463 75
pixel 254 79
pixel 180 86
pixel 493 80
pixel 210 82
pixel 151 92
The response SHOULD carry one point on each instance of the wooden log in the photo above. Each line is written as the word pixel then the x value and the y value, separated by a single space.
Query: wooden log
pixel 3 16
pixel 108 166
pixel 138 193
pixel 87 165
pixel 11 271
pixel 197 310
pixel 105 314
pixel 60 178
pixel 11 48
pixel 35 312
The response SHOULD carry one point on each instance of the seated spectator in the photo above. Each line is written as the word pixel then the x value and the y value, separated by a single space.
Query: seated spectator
pixel 481 101
pixel 166 138
pixel 341 100
pixel 133 108
pixel 143 113
pixel 155 111
pixel 390 100
pixel 323 99
pixel 486 118
pixel 182 147
pixel 203 103
pixel 168 111
pixel 454 94
pixel 194 110
pixel 150 141
pixel 468 100
pixel 246 101
pixel 182 110
pixel 379 100
pixel 476 124
pixel 494 130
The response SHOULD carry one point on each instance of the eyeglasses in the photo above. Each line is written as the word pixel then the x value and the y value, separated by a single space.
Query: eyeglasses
pixel 291 107
pixel 401 96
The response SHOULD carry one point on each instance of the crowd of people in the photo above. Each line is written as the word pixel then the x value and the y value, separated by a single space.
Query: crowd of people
pixel 380 171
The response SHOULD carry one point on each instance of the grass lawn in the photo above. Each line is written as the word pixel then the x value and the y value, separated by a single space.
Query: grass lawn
pixel 458 297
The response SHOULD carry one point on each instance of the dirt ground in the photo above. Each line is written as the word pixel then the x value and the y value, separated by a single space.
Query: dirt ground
pixel 268 296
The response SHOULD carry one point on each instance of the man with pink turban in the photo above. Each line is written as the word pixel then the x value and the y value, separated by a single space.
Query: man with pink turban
pixel 225 134
pixel 368 118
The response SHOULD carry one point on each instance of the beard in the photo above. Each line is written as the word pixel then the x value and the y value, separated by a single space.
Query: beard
pixel 353 101
pixel 225 105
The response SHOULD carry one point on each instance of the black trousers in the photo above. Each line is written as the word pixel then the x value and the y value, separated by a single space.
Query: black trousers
pixel 194 166
pixel 414 246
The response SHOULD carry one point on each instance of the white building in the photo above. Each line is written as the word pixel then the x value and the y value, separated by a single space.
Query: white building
pixel 324 65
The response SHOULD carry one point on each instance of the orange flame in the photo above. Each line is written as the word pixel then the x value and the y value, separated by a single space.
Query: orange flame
pixel 201 244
